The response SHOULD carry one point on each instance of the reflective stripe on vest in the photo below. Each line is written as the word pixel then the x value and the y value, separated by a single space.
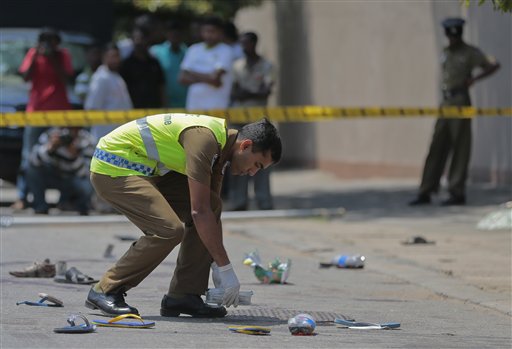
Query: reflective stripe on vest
pixel 150 145
pixel 119 161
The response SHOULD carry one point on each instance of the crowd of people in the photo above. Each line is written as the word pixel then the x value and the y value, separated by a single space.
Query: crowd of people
pixel 216 69
pixel 223 69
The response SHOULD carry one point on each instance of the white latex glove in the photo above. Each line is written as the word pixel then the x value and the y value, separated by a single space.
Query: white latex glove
pixel 229 282
pixel 215 275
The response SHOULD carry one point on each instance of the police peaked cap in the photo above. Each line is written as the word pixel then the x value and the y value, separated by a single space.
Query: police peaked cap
pixel 453 25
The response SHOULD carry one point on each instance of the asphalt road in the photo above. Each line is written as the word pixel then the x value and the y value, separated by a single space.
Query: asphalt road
pixel 455 293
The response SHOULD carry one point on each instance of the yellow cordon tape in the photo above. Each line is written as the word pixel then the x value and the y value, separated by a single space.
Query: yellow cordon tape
pixel 241 115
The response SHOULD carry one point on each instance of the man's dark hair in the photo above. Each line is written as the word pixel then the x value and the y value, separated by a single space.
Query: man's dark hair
pixel 213 21
pixel 49 33
pixel 146 22
pixel 231 31
pixel 110 46
pixel 264 137
pixel 174 25
pixel 252 36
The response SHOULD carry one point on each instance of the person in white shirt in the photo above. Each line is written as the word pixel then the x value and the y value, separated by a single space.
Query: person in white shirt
pixel 206 69
pixel 107 90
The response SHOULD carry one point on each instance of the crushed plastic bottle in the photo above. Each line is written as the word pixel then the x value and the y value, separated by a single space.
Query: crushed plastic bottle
pixel 302 325
pixel 276 273
pixel 500 219
pixel 216 295
pixel 349 261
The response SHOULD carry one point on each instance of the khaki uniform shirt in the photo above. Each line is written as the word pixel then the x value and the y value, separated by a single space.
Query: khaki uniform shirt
pixel 458 64
pixel 206 162
pixel 252 78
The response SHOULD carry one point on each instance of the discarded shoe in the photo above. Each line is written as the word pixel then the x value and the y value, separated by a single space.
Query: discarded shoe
pixel 417 240
pixel 192 305
pixel 118 322
pixel 86 327
pixel 36 270
pixel 53 302
pixel 75 276
pixel 111 304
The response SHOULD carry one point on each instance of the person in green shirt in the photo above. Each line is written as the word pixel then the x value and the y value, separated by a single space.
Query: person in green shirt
pixel 453 136
pixel 170 54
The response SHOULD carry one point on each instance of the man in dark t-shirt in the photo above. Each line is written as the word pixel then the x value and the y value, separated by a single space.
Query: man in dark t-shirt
pixel 143 74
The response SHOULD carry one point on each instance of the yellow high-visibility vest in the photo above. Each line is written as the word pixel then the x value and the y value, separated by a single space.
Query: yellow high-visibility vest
pixel 150 146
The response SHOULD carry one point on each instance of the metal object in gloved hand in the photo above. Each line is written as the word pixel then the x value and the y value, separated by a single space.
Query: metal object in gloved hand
pixel 229 282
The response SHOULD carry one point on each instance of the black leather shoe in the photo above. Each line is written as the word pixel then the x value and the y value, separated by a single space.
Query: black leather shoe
pixel 191 305
pixel 109 303
pixel 421 199
pixel 454 201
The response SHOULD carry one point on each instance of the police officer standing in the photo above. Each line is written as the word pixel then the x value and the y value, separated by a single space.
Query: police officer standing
pixel 453 135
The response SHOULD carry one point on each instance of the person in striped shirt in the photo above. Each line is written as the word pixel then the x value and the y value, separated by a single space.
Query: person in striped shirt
pixel 61 160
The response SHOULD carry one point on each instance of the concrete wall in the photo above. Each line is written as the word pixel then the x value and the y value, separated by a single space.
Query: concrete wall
pixel 492 147
pixel 378 53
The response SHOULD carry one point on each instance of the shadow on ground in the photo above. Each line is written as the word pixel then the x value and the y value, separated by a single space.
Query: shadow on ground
pixel 378 203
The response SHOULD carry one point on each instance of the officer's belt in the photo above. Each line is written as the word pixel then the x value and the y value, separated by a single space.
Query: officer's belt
pixel 119 161
pixel 452 92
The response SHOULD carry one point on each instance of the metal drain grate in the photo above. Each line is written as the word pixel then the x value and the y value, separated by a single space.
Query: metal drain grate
pixel 279 315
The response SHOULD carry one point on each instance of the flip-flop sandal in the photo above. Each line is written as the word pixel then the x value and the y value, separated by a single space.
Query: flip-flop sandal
pixel 75 276
pixel 417 240
pixel 127 237
pixel 366 325
pixel 54 302
pixel 86 327
pixel 117 322
pixel 253 330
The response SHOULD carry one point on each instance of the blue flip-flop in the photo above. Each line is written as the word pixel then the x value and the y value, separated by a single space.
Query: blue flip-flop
pixel 86 327
pixel 54 302
pixel 366 325
pixel 118 322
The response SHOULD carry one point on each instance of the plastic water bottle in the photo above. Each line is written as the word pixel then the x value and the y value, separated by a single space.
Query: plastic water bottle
pixel 302 325
pixel 349 261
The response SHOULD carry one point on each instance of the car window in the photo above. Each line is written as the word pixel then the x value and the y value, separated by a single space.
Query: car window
pixel 11 56
pixel 13 52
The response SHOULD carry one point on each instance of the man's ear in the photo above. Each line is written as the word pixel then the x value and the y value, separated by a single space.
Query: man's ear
pixel 246 143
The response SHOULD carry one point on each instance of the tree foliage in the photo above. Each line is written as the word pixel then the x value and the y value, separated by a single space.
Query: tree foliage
pixel 224 8
pixel 499 5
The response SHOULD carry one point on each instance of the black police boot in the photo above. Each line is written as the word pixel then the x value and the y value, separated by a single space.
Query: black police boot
pixel 109 303
pixel 454 201
pixel 191 305
pixel 421 199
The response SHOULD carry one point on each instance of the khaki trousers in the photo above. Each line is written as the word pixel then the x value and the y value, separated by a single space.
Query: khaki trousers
pixel 451 137
pixel 160 207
